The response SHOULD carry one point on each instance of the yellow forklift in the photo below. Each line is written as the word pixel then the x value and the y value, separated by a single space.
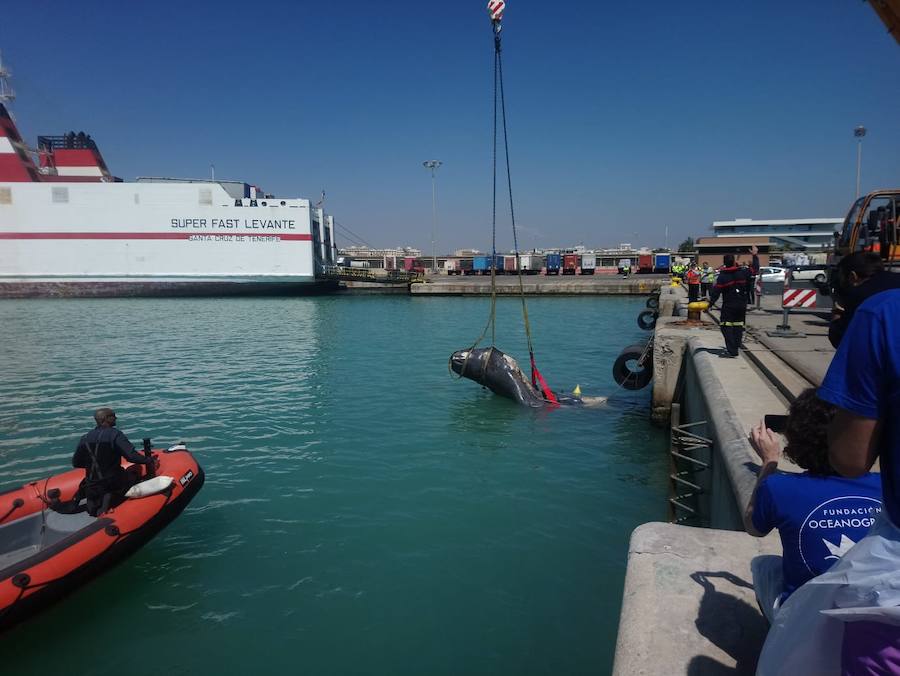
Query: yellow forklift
pixel 873 224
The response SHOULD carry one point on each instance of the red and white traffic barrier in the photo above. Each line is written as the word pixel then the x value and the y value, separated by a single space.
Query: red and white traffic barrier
pixel 798 298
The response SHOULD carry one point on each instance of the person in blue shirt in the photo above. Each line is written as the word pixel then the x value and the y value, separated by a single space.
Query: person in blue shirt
pixel 819 514
pixel 845 621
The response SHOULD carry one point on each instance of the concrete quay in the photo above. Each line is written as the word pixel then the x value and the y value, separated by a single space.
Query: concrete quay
pixel 688 603
pixel 689 606
pixel 539 285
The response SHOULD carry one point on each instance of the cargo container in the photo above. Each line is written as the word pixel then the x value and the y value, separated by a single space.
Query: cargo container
pixel 588 264
pixel 531 264
pixel 661 262
pixel 409 263
pixel 359 264
pixel 390 262
pixel 482 264
pixel 465 266
pixel 554 261
pixel 570 264
pixel 509 265
pixel 451 266
pixel 645 263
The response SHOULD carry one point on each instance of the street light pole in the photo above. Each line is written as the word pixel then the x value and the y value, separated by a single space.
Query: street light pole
pixel 858 132
pixel 432 165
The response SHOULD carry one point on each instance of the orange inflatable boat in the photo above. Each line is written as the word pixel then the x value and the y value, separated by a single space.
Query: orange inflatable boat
pixel 49 544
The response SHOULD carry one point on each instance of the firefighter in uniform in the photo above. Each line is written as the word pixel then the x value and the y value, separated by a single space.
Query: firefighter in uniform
pixel 731 285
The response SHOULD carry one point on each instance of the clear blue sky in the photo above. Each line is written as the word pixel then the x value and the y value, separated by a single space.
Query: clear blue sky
pixel 623 117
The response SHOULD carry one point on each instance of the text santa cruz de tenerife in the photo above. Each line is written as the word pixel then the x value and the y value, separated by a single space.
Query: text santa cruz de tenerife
pixel 254 225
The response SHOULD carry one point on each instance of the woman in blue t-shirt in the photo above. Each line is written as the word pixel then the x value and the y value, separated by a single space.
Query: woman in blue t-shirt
pixel 819 514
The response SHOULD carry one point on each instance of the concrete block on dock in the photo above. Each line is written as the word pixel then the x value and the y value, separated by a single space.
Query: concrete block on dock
pixel 688 605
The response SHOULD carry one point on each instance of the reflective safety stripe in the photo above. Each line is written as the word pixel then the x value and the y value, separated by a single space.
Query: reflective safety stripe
pixel 732 323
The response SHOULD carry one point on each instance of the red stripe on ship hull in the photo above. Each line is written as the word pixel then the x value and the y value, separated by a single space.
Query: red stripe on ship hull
pixel 146 235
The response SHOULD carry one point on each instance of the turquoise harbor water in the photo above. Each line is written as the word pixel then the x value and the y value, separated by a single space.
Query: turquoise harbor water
pixel 364 512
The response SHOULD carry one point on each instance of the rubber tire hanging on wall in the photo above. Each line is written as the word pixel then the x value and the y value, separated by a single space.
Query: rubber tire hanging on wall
pixel 647 320
pixel 653 302
pixel 628 378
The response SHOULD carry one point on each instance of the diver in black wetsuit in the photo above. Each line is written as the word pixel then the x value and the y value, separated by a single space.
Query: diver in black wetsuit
pixel 99 452
pixel 731 284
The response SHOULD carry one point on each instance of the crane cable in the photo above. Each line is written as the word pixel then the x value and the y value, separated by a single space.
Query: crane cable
pixel 495 8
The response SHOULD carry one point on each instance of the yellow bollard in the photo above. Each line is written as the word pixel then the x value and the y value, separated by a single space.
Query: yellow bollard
pixel 695 308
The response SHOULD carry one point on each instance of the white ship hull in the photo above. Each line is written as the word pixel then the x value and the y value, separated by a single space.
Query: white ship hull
pixel 156 238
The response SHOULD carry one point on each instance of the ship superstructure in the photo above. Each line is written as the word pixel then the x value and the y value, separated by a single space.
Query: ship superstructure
pixel 69 227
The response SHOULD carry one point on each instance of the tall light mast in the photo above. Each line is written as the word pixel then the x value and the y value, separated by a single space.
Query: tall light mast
pixel 432 165
pixel 859 132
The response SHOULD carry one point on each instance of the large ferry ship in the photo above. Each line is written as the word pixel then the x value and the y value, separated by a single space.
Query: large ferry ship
pixel 68 227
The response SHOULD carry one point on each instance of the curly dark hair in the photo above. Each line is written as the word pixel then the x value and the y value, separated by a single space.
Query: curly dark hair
pixel 806 431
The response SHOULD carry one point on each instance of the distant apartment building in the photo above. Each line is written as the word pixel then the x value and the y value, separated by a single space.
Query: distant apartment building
pixel 792 234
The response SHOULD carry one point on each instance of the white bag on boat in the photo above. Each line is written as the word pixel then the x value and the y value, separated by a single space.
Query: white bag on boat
pixel 149 487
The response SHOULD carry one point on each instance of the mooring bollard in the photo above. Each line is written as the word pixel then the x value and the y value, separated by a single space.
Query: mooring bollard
pixel 696 308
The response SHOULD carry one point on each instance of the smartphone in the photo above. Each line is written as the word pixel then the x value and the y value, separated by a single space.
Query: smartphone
pixel 776 423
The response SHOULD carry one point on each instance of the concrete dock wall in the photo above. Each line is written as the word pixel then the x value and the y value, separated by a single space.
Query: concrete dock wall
pixel 689 606
pixel 539 286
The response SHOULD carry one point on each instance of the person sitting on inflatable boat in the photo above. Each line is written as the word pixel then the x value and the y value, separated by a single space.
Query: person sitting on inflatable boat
pixel 99 452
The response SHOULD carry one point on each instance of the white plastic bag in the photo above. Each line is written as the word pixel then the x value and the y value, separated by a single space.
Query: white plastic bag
pixel 807 634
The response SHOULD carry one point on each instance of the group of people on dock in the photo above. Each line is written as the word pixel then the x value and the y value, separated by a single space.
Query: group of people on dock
pixel 833 599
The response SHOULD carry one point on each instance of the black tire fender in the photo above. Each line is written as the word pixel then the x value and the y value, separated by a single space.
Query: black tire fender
pixel 653 302
pixel 647 320
pixel 623 373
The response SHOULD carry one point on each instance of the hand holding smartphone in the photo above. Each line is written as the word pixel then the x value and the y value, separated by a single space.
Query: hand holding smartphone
pixel 776 423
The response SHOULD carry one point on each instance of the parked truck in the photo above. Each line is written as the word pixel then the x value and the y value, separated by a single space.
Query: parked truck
pixel 531 264
pixel 570 264
pixel 588 264
pixel 451 266
pixel 662 262
pixel 554 261
pixel 482 265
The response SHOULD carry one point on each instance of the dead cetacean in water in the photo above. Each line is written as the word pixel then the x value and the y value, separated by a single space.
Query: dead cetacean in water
pixel 501 374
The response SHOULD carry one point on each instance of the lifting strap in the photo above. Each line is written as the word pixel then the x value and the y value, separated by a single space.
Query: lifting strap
pixel 495 9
